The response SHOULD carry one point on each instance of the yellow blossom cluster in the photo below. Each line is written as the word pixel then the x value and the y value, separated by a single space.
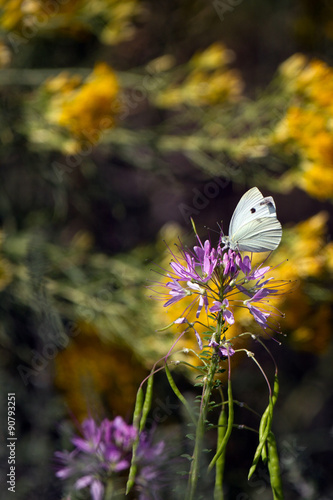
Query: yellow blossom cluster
pixel 82 108
pixel 32 17
pixel 208 81
pixel 307 128
pixel 305 258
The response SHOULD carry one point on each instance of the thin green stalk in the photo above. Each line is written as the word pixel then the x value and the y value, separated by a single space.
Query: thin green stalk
pixel 195 464
pixel 200 430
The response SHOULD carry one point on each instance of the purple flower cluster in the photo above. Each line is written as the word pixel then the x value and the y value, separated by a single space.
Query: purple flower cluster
pixel 103 452
pixel 219 279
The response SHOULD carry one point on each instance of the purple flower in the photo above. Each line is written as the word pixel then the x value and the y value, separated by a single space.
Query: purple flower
pixel 222 306
pixel 207 259
pixel 203 300
pixel 244 264
pixel 185 271
pixel 177 292
pixel 67 460
pixel 92 436
pixel 96 486
pixel 104 451
pixel 216 279
pixel 121 434
pixel 221 350
pixel 259 315
pixel 228 262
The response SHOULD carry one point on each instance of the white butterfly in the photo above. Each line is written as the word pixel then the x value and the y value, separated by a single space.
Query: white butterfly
pixel 254 226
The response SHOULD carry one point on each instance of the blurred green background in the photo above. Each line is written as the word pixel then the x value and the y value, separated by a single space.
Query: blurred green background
pixel 120 120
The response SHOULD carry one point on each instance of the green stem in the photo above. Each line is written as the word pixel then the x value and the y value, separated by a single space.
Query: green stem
pixel 200 431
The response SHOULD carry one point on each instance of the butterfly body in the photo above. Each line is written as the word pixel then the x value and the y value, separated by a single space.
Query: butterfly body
pixel 254 226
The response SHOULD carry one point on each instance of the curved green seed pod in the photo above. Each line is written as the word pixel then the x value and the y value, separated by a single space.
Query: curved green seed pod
pixel 226 437
pixel 138 407
pixel 219 467
pixel 274 467
pixel 141 409
pixel 147 402
pixel 264 428
pixel 178 393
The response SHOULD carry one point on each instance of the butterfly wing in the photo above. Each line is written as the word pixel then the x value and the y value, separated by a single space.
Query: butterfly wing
pixel 251 206
pixel 254 226
pixel 259 235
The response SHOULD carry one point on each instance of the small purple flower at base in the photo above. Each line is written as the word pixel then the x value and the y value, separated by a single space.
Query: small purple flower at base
pixel 102 454
pixel 96 486
pixel 222 306
pixel 153 460
pixel 67 460
pixel 92 436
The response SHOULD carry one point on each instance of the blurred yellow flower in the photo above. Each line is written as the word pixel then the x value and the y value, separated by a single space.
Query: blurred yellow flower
pixel 304 257
pixel 84 109
pixel 214 57
pixel 208 81
pixel 292 68
pixel 90 109
pixel 318 180
pixel 307 128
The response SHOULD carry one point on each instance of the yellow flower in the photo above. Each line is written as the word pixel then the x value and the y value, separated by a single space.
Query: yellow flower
pixel 305 258
pixel 208 81
pixel 88 109
pixel 214 57
pixel 307 128
pixel 292 68
pixel 318 180
pixel 201 88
